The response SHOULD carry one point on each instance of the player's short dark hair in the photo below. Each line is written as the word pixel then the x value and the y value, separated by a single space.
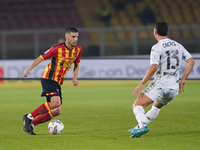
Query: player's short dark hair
pixel 71 29
pixel 161 28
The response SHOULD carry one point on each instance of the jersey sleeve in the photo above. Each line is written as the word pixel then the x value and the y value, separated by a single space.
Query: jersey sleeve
pixel 185 54
pixel 155 55
pixel 49 53
pixel 78 59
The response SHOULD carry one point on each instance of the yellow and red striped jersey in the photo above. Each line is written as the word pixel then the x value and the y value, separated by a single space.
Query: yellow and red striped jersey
pixel 61 60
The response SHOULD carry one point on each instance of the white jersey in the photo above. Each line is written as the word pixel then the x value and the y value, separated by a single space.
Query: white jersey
pixel 167 54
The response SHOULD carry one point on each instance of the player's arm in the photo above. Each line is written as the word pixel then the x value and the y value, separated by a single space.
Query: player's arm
pixel 150 72
pixel 188 69
pixel 76 67
pixel 33 65
pixel 154 61
pixel 75 74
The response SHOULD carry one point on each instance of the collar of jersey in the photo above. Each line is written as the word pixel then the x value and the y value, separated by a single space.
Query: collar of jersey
pixel 68 48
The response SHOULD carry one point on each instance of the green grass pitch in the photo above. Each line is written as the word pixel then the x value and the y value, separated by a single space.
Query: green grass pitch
pixel 97 116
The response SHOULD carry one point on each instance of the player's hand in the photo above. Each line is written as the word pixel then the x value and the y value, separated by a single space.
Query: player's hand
pixel 26 72
pixel 137 90
pixel 75 82
pixel 181 86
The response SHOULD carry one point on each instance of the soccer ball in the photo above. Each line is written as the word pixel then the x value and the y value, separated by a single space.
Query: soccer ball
pixel 55 127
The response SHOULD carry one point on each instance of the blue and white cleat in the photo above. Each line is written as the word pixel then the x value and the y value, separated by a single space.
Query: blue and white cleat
pixel 136 133
pixel 131 130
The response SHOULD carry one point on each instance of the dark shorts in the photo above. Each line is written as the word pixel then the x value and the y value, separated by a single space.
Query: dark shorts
pixel 50 88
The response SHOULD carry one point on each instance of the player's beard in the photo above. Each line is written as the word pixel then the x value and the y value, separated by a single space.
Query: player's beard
pixel 73 44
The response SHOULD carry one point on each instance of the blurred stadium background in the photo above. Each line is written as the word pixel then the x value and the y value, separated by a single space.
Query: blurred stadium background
pixel 29 27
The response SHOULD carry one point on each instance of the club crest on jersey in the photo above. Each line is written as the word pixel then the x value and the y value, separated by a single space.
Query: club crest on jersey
pixel 74 54
pixel 46 51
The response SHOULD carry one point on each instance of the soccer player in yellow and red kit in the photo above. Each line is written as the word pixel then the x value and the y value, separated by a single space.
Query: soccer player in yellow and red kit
pixel 62 55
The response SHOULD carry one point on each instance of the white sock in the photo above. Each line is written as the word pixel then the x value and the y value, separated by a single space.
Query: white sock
pixel 140 115
pixel 152 114
pixel 29 116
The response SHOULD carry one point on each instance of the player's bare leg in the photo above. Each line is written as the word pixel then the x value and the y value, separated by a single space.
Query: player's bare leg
pixel 56 111
pixel 46 112
pixel 55 102
pixel 138 109
pixel 154 111
pixel 142 100
pixel 158 104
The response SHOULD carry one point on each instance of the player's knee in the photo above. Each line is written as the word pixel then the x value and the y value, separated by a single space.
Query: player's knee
pixel 56 111
pixel 54 105
pixel 55 102
pixel 133 106
pixel 158 104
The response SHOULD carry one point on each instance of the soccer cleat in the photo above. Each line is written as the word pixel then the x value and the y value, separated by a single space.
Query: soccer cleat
pixel 31 132
pixel 131 130
pixel 27 125
pixel 138 132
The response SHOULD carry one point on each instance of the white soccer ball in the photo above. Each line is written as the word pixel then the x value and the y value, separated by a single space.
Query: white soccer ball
pixel 55 127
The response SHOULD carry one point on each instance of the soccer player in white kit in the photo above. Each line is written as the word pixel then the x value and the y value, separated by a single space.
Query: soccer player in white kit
pixel 165 64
